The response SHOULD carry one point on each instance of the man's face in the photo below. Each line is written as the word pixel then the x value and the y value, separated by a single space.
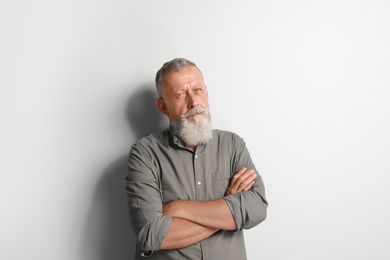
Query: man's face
pixel 183 90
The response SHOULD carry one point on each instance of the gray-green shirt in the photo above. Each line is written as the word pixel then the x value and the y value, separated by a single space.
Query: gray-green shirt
pixel 163 169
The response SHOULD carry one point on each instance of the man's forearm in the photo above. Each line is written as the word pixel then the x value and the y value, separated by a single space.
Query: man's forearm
pixel 184 233
pixel 213 213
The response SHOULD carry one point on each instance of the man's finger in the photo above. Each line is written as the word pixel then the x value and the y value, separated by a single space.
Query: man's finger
pixel 249 186
pixel 237 175
pixel 246 180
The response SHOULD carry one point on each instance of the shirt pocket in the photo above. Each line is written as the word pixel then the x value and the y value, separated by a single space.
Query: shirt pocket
pixel 220 183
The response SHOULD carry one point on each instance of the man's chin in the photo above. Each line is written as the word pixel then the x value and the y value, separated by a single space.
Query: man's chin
pixel 194 129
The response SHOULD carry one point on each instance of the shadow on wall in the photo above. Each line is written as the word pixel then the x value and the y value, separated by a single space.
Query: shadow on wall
pixel 108 232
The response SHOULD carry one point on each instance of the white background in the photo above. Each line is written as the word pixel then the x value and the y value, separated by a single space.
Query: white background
pixel 305 83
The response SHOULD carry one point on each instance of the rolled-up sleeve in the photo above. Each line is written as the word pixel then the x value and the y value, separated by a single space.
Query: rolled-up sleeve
pixel 145 203
pixel 248 208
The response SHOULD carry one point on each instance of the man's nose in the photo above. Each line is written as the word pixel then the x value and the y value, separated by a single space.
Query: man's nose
pixel 192 101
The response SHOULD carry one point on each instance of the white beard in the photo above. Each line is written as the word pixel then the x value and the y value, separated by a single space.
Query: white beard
pixel 194 133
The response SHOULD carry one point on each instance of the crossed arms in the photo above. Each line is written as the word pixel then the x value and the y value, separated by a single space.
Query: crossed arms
pixel 158 225
pixel 193 221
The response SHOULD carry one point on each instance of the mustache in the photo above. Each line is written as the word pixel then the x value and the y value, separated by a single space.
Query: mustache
pixel 193 111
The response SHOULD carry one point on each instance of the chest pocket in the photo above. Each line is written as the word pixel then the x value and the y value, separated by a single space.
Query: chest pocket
pixel 220 183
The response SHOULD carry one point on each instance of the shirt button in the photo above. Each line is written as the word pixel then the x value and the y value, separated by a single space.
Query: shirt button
pixel 196 156
pixel 199 183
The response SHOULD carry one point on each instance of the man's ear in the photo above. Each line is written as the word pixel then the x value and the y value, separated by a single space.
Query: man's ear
pixel 162 106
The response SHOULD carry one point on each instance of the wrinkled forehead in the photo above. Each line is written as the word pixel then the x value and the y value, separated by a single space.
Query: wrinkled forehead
pixel 182 77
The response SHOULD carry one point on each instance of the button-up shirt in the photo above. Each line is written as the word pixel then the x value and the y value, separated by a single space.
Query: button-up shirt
pixel 163 169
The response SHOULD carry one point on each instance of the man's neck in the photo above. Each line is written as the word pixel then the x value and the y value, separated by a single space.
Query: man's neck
pixel 193 147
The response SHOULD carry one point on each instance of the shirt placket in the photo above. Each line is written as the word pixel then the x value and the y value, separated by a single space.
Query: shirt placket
pixel 199 180
pixel 201 195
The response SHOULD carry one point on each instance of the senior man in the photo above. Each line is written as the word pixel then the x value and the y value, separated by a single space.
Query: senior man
pixel 191 189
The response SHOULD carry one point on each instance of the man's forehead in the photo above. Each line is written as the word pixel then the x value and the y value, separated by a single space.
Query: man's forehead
pixel 185 75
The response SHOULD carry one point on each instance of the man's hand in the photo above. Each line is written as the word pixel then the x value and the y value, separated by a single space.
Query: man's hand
pixel 241 181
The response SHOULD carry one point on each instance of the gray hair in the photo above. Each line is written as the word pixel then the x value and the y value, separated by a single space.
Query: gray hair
pixel 173 65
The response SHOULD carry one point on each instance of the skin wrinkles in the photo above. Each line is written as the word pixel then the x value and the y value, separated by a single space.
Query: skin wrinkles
pixel 183 90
